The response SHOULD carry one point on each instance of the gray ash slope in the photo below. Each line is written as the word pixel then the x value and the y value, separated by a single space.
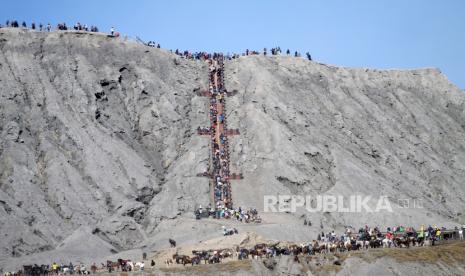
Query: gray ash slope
pixel 94 132
pixel 316 129
pixel 98 146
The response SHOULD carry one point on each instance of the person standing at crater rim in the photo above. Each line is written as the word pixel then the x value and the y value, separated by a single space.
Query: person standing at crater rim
pixel 112 31
pixel 309 56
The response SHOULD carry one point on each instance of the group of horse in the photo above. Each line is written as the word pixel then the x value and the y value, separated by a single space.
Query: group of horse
pixel 263 250
pixel 17 273
pixel 39 270
pixel 124 265
pixel 207 256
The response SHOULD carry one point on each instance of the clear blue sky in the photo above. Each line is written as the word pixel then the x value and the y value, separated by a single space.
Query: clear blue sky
pixel 364 33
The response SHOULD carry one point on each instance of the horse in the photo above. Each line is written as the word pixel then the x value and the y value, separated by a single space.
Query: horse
pixel 195 260
pixel 332 247
pixel 420 241
pixel 243 253
pixel 399 242
pixel 93 268
pixel 225 253
pixel 125 265
pixel 186 260
pixel 112 266
pixel 283 251
pixel 256 253
pixel 269 252
pixel 321 248
pixel 412 240
pixel 363 244
pixel 348 245
pixel 214 259
pixel 65 269
pixel 177 258
pixel 375 243
pixel 387 243
pixel 230 232
pixel 138 265
pixel 203 255
pixel 81 270
pixel 351 245
pixel 27 269
pixel 340 246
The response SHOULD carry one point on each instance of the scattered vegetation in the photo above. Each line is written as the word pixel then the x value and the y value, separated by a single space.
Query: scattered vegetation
pixel 449 254
pixel 212 268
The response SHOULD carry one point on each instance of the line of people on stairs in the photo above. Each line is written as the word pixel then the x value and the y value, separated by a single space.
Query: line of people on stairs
pixel 219 140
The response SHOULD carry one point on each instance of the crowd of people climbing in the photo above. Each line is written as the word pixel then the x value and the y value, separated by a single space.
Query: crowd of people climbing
pixel 239 214
pixel 219 140
pixel 218 132
pixel 219 172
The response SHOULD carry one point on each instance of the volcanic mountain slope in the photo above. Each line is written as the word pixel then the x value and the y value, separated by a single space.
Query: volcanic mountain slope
pixel 312 129
pixel 98 147
pixel 92 129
